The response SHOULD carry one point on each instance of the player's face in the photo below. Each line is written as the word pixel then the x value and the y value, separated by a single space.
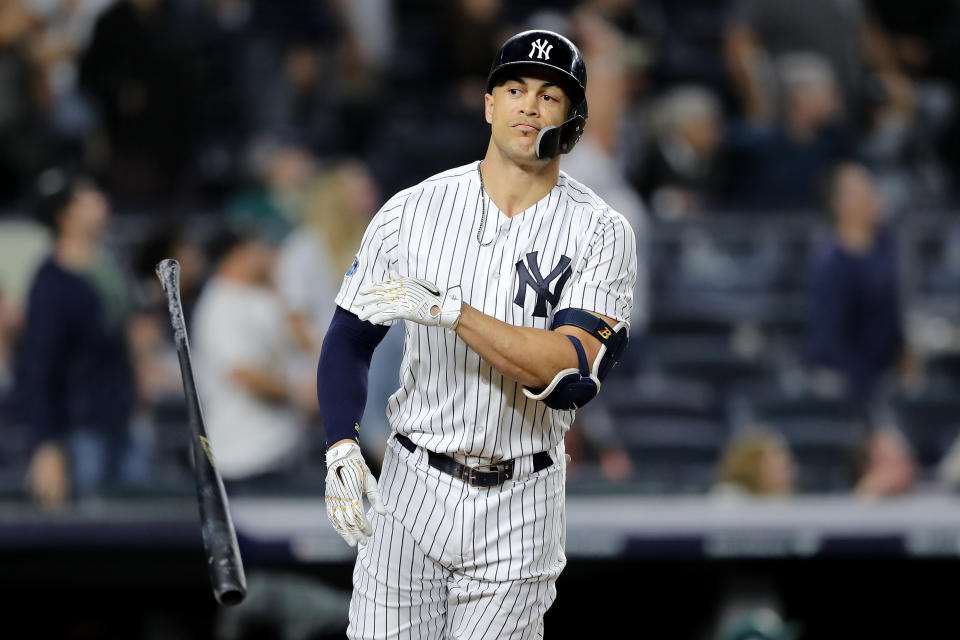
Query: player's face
pixel 518 109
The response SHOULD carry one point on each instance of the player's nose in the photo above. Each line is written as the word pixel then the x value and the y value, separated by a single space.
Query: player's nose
pixel 529 104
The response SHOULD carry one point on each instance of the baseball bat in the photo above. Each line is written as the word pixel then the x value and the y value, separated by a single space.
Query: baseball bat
pixel 219 536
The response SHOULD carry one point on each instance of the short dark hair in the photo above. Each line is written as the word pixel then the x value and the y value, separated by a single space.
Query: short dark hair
pixel 54 190
pixel 226 240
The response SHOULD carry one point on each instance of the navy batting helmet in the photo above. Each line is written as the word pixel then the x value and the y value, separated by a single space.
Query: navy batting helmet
pixel 548 50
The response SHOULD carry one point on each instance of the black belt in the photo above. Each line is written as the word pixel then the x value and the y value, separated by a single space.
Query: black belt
pixel 489 475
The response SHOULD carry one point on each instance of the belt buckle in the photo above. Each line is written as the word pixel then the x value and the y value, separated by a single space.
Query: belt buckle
pixel 504 469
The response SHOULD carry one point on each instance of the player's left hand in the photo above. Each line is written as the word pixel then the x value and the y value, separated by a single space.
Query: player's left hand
pixel 348 480
pixel 410 299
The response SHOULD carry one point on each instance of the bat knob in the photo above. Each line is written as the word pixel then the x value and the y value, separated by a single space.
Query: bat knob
pixel 168 270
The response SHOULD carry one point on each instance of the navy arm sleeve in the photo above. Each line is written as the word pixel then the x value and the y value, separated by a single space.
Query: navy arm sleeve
pixel 342 373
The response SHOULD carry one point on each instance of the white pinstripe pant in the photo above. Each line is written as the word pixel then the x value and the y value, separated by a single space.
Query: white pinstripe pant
pixel 455 562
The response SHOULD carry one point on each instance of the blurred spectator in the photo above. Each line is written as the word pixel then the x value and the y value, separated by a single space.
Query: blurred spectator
pixel 889 466
pixel 309 271
pixel 758 623
pixel 24 245
pixel 20 99
pixel 594 434
pixel 370 31
pixel 679 175
pixel 74 368
pixel 254 410
pixel 292 77
pixel 913 105
pixel 139 71
pixel 778 165
pixel 757 463
pixel 856 325
pixel 473 37
pixel 302 105
pixel 949 469
pixel 285 21
pixel 446 55
pixel 274 205
pixel 759 32
pixel 227 85
pixel 315 256
pixel 594 160
pixel 9 326
pixel 66 28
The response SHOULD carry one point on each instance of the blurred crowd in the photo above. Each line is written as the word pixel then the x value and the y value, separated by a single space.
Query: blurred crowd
pixel 253 140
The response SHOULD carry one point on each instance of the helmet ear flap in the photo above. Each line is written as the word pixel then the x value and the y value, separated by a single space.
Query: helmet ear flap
pixel 548 143
pixel 552 141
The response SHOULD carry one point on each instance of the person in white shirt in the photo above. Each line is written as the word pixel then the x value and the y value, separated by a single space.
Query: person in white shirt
pixel 255 414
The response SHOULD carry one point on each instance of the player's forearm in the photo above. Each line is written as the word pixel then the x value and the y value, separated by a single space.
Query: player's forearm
pixel 530 356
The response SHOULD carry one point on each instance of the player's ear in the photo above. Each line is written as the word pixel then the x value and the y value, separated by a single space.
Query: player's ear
pixel 488 107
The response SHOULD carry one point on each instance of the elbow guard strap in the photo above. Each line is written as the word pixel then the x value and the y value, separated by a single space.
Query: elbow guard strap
pixel 571 388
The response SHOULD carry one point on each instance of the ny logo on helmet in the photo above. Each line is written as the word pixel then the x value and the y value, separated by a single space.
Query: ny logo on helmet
pixel 541 48
pixel 541 285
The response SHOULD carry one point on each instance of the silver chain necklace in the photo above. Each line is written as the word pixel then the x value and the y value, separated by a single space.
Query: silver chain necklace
pixel 483 220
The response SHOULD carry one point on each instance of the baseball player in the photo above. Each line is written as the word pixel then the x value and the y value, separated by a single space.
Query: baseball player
pixel 514 282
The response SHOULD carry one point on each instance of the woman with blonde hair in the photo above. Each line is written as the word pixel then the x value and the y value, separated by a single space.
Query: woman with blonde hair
pixel 757 462
pixel 315 256
pixel 311 266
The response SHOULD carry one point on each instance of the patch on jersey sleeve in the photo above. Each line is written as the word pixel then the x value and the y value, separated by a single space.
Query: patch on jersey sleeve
pixel 353 267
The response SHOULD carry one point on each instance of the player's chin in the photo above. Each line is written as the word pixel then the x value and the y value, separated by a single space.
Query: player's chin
pixel 524 147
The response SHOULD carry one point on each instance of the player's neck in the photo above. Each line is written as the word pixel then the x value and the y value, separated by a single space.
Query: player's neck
pixel 514 188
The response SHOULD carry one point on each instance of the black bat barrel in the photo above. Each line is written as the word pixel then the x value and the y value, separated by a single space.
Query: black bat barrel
pixel 219 537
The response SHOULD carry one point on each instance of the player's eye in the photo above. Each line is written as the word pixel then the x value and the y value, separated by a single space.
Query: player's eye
pixel 549 98
pixel 514 91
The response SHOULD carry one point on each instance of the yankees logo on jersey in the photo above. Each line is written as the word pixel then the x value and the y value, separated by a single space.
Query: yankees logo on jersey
pixel 567 250
pixel 541 285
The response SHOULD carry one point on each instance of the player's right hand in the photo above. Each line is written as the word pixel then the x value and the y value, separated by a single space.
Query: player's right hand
pixel 348 479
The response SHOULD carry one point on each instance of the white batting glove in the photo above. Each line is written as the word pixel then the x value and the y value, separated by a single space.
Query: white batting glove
pixel 348 479
pixel 410 299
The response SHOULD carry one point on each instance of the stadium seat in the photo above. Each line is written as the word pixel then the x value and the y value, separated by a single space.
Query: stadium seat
pixel 657 395
pixel 673 454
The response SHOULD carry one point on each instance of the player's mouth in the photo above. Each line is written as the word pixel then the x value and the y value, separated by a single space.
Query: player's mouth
pixel 526 127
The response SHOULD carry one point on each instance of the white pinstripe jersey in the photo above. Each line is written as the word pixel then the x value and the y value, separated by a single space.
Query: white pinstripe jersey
pixel 567 250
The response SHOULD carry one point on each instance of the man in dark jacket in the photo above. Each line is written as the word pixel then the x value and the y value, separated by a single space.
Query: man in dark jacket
pixel 74 370
pixel 856 327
